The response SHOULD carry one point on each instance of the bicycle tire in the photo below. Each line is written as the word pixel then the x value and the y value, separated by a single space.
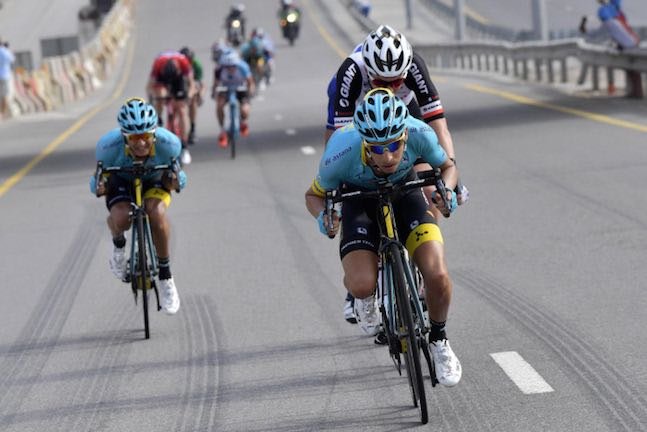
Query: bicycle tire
pixel 412 355
pixel 233 128
pixel 142 274
pixel 232 145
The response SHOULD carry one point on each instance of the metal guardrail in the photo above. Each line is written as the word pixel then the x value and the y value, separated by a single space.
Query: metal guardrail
pixel 550 61
pixel 544 61
pixel 480 30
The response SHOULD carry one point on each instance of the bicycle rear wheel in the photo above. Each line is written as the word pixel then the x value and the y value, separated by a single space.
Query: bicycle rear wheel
pixel 232 144
pixel 409 335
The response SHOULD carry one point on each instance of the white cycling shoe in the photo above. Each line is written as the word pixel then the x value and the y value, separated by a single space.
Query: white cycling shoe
pixel 118 262
pixel 170 297
pixel 185 156
pixel 366 314
pixel 448 368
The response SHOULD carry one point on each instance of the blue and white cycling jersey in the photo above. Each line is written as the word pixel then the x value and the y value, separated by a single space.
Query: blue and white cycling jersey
pixel 344 161
pixel 233 77
pixel 112 151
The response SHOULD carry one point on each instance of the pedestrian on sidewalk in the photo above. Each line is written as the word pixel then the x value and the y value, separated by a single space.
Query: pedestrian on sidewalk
pixel 6 62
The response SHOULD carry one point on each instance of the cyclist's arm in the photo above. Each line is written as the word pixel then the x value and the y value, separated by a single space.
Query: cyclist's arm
pixel 424 143
pixel 429 101
pixel 315 204
pixel 107 152
pixel 315 199
pixel 347 91
pixel 249 78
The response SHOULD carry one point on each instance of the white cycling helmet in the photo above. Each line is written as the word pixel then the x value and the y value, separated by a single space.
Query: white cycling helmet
pixel 229 57
pixel 387 53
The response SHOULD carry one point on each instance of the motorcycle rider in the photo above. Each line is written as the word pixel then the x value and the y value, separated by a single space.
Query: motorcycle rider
pixel 288 6
pixel 236 13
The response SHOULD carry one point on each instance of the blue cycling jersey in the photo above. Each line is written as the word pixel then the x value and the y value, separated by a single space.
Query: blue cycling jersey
pixel 112 151
pixel 233 77
pixel 344 160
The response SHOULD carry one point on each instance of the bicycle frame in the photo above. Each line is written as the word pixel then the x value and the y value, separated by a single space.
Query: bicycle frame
pixel 233 127
pixel 402 313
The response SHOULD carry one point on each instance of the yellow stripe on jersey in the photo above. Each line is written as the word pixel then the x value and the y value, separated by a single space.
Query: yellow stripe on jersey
pixel 421 234
pixel 317 189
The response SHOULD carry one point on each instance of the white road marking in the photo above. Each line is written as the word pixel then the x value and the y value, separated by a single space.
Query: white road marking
pixel 308 150
pixel 291 132
pixel 521 373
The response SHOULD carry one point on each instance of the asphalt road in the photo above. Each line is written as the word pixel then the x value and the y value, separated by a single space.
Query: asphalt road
pixel 547 260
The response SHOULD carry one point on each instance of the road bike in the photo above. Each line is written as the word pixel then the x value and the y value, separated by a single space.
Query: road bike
pixel 404 321
pixel 142 267
pixel 233 122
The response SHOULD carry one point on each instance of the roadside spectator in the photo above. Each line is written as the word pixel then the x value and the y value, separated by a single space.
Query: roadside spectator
pixel 614 21
pixel 6 62
pixel 615 25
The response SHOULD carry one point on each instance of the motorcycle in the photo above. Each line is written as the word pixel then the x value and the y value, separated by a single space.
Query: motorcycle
pixel 235 32
pixel 290 25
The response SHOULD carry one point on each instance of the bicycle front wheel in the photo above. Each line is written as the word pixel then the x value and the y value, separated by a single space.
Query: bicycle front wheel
pixel 408 334
pixel 142 276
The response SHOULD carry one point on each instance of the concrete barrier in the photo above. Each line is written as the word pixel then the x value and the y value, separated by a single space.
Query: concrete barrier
pixel 64 79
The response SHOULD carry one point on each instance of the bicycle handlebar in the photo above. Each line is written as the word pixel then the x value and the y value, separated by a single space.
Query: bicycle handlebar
pixel 138 169
pixel 385 188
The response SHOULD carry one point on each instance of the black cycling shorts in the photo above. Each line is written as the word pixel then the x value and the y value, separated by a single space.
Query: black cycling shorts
pixel 360 230
pixel 242 96
pixel 120 189
pixel 178 87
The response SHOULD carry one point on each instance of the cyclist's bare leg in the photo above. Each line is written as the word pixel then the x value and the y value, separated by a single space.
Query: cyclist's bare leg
pixel 245 109
pixel 159 93
pixel 360 272
pixel 119 219
pixel 220 109
pixel 430 259
pixel 160 227
pixel 181 108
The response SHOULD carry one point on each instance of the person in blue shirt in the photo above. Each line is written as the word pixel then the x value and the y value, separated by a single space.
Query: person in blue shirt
pixel 383 142
pixel 139 138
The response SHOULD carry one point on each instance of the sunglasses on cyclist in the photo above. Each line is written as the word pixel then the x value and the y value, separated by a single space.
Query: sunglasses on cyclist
pixel 380 148
pixel 396 83
pixel 140 136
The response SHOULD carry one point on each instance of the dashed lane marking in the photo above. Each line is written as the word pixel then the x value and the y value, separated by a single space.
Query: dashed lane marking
pixel 521 373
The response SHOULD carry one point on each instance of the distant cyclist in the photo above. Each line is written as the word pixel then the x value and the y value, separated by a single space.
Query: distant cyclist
pixel 383 142
pixel 138 138
pixel 232 72
pixel 268 52
pixel 172 76
pixel 253 53
pixel 198 93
